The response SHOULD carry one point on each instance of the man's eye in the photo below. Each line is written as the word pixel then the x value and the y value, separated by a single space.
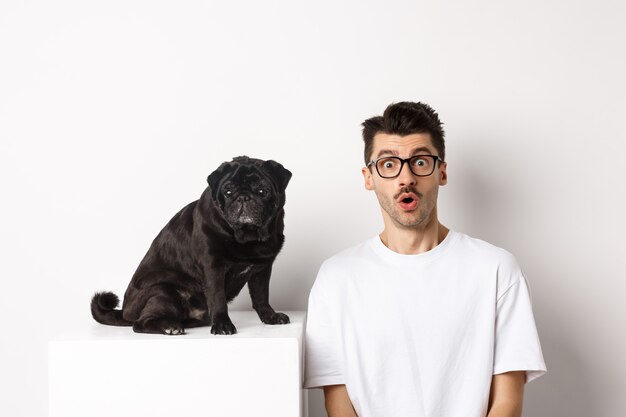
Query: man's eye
pixel 388 164
pixel 420 162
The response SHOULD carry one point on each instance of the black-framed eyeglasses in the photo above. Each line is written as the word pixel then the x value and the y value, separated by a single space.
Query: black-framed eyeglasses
pixel 391 166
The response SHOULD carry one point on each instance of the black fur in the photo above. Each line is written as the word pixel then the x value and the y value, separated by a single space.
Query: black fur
pixel 102 309
pixel 205 255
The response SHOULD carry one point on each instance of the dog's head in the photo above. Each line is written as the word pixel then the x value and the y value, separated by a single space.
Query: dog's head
pixel 249 193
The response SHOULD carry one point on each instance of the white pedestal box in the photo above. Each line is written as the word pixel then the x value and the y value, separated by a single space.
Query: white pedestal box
pixel 112 371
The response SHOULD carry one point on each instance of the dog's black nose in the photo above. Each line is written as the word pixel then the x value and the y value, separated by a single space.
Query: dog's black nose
pixel 243 197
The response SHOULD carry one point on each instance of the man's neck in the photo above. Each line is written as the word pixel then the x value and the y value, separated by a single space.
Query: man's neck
pixel 414 241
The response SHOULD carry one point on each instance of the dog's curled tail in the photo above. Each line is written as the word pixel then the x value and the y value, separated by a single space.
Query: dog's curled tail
pixel 103 306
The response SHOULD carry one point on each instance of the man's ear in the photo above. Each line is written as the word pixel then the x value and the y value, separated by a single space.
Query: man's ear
pixel 443 175
pixel 281 174
pixel 367 177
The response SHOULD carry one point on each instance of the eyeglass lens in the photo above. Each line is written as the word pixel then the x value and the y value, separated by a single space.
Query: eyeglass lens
pixel 420 165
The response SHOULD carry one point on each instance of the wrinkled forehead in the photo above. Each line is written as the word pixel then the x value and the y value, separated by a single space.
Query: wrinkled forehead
pixel 246 174
pixel 404 146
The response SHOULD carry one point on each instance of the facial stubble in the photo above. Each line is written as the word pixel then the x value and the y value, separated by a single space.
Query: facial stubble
pixel 412 219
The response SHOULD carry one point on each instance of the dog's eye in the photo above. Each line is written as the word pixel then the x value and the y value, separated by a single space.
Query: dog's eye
pixel 261 191
pixel 228 192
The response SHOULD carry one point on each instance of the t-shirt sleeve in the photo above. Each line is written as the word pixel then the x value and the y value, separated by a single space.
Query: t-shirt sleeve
pixel 517 346
pixel 322 363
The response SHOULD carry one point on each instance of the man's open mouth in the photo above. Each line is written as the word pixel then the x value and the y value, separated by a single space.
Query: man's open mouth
pixel 408 201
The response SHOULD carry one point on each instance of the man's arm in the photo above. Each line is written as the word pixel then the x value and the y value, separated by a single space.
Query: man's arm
pixel 338 403
pixel 507 394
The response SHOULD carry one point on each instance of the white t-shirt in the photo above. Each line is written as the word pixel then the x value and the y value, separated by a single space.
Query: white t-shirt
pixel 420 335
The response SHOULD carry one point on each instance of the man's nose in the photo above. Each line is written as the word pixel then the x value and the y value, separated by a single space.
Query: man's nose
pixel 406 176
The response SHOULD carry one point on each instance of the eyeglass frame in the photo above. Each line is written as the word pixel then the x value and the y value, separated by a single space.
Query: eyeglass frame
pixel 436 159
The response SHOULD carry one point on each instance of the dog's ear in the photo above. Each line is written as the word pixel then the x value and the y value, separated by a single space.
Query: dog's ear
pixel 214 177
pixel 278 172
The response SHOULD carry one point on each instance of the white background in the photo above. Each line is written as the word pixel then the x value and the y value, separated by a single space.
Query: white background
pixel 113 113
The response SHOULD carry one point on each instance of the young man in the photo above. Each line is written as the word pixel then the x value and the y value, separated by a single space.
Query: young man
pixel 420 320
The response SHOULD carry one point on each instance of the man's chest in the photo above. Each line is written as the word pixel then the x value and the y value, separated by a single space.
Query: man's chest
pixel 439 306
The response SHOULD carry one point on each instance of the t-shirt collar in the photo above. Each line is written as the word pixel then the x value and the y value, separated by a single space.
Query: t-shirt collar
pixel 379 247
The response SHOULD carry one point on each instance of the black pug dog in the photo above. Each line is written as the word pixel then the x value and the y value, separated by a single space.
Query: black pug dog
pixel 205 255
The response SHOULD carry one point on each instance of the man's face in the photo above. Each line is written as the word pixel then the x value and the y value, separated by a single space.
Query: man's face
pixel 394 194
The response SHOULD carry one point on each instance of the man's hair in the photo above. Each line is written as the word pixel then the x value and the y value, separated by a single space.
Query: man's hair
pixel 404 119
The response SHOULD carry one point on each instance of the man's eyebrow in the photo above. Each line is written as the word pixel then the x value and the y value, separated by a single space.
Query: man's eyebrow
pixel 395 153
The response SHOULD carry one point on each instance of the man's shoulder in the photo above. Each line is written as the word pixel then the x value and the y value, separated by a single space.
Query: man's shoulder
pixel 338 268
pixel 483 250
pixel 349 256
pixel 501 261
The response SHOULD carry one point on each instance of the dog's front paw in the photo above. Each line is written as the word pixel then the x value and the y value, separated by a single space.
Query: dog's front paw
pixel 223 327
pixel 275 318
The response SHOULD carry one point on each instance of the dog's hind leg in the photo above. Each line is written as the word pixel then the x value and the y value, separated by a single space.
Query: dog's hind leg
pixel 162 313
